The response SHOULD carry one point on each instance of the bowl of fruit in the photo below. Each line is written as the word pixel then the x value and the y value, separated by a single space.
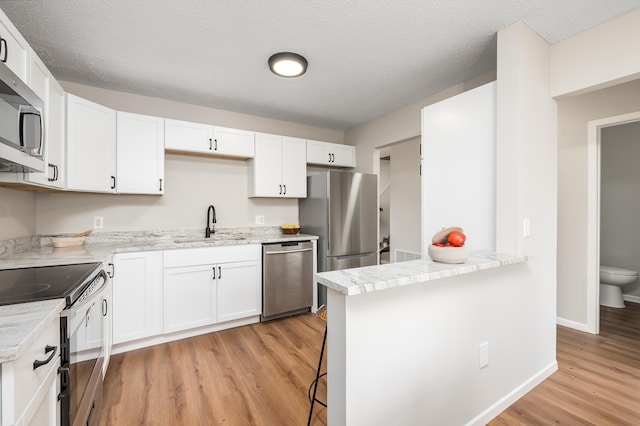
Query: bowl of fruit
pixel 448 246
pixel 288 228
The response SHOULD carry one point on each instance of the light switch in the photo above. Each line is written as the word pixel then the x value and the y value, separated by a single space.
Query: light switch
pixel 526 227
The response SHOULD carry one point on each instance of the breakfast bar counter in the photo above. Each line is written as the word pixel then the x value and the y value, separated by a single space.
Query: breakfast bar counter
pixel 403 338
pixel 351 282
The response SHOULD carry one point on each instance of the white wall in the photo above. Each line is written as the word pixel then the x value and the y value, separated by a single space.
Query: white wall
pixel 597 58
pixel 399 125
pixel 620 200
pixel 17 213
pixel 405 197
pixel 192 183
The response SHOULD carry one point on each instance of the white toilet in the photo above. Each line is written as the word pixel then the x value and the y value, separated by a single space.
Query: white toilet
pixel 611 282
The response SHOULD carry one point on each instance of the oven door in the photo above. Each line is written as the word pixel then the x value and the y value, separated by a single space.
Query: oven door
pixel 81 403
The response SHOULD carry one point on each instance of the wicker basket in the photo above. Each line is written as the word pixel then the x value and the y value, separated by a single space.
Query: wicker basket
pixel 448 254
pixel 291 231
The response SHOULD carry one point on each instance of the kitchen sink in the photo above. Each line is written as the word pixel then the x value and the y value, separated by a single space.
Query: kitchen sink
pixel 213 239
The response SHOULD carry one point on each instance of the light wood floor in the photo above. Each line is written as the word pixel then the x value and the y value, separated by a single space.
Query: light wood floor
pixel 259 375
pixel 598 377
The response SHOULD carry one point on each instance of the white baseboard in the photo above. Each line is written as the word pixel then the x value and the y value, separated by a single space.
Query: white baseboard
pixel 572 324
pixel 504 403
pixel 630 298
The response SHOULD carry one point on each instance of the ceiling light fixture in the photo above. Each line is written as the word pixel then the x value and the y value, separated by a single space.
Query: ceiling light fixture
pixel 287 64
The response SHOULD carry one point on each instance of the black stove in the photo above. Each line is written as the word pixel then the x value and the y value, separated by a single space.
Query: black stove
pixel 46 282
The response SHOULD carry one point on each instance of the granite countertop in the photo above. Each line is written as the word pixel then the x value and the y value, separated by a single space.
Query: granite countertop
pixel 20 324
pixel 99 246
pixel 369 279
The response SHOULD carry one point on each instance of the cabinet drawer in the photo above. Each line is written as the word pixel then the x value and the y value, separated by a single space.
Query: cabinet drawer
pixel 208 255
pixel 20 382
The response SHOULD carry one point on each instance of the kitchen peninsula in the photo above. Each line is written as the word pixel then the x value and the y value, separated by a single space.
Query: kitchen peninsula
pixel 403 339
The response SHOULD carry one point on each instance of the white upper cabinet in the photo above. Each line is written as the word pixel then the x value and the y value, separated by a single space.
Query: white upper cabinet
pixel 184 136
pixel 140 154
pixel 47 88
pixel 279 167
pixel 233 142
pixel 91 146
pixel 330 154
pixel 14 49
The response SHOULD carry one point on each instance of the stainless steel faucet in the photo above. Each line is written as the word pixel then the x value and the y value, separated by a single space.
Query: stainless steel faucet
pixel 210 221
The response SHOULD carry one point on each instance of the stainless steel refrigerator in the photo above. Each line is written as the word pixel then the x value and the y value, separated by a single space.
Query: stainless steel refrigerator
pixel 341 209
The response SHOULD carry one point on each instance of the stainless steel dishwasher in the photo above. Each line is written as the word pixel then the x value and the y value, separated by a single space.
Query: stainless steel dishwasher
pixel 287 279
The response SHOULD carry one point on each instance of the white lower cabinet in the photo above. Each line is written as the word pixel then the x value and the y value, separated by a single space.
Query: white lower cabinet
pixel 30 395
pixel 137 296
pixel 163 296
pixel 204 286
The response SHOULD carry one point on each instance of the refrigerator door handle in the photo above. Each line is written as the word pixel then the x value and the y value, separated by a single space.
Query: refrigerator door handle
pixel 355 256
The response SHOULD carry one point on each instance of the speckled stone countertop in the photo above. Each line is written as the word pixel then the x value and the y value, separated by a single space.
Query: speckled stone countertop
pixel 99 246
pixel 20 324
pixel 369 279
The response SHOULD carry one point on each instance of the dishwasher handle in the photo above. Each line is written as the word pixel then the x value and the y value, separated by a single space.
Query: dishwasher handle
pixel 288 251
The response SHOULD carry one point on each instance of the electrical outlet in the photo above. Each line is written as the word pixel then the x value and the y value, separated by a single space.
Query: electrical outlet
pixel 259 220
pixel 483 354
pixel 98 222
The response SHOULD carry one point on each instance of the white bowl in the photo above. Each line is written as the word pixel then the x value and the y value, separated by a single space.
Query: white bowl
pixel 448 254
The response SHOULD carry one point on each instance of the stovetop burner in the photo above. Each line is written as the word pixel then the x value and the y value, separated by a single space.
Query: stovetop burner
pixel 44 283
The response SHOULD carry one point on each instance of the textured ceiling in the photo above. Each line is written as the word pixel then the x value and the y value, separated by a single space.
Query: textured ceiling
pixel 366 58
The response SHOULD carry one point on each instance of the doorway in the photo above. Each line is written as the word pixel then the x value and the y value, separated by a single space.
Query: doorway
pixel 399 191
pixel 594 215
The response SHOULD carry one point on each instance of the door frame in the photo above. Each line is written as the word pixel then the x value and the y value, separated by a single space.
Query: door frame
pixel 594 128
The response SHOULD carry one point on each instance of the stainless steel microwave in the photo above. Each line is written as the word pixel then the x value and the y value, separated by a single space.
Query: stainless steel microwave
pixel 21 125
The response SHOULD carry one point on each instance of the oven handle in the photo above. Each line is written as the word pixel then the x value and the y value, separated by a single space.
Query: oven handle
pixel 96 293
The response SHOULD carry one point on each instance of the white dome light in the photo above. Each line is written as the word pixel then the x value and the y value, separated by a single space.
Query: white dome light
pixel 287 64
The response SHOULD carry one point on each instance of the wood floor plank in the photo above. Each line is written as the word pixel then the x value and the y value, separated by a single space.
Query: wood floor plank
pixel 252 375
pixel 260 375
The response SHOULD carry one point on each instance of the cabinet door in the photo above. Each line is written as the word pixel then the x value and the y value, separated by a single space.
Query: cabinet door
pixel 233 142
pixel 91 146
pixel 39 77
pixel 330 154
pixel 56 137
pixel 239 290
pixel 107 312
pixel 186 136
pixel 318 153
pixel 343 155
pixel 294 167
pixel 189 297
pixel 137 296
pixel 14 49
pixel 140 154
pixel 266 167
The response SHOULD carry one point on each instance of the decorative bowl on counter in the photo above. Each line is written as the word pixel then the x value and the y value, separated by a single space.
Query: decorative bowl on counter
pixel 290 229
pixel 67 241
pixel 448 254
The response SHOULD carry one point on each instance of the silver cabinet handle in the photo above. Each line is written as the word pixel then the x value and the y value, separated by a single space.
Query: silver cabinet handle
pixel 214 272
pixel 219 272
